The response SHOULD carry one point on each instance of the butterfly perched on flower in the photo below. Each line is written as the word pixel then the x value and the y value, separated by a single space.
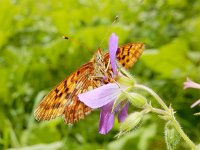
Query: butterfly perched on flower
pixel 63 100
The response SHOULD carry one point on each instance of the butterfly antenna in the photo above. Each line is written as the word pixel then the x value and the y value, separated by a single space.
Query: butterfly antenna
pixel 108 30
pixel 79 43
pixel 107 33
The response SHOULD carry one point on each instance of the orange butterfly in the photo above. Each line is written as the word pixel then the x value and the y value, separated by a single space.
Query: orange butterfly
pixel 63 100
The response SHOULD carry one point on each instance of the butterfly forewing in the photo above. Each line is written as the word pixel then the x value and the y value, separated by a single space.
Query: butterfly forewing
pixel 128 54
pixel 54 104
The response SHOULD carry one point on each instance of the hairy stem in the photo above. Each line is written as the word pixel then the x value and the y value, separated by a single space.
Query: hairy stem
pixel 159 111
pixel 168 110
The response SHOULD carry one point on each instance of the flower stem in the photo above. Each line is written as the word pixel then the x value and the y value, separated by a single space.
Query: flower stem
pixel 158 99
pixel 173 119
pixel 182 133
pixel 159 111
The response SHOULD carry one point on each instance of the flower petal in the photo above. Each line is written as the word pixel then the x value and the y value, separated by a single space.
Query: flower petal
pixel 106 119
pixel 195 104
pixel 190 84
pixel 113 46
pixel 123 113
pixel 100 96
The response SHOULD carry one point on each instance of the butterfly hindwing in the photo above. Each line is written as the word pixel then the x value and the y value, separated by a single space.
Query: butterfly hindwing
pixel 77 110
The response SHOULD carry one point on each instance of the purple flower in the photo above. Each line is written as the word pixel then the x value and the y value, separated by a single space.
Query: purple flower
pixel 105 96
pixel 190 84
pixel 113 46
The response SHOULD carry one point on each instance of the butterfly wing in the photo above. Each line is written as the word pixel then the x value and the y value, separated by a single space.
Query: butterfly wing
pixel 128 54
pixel 77 110
pixel 54 104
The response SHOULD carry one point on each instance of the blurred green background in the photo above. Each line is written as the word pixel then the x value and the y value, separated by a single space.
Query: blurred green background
pixel 34 58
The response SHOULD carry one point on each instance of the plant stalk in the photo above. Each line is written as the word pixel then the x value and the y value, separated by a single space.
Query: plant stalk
pixel 173 119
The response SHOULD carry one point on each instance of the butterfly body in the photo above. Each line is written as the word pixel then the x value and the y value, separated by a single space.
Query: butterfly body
pixel 63 100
